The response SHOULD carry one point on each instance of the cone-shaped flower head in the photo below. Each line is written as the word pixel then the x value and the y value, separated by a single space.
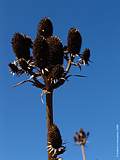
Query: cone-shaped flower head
pixel 55 141
pixel 45 28
pixel 55 51
pixel 74 41
pixel 21 45
pixel 40 52
pixel 55 137
pixel 86 56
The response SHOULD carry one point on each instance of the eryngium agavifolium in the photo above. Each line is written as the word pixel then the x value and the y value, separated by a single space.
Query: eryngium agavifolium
pixel 45 28
pixel 21 45
pixel 40 52
pixel 74 41
pixel 55 48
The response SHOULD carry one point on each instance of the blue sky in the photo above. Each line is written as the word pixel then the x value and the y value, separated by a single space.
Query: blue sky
pixel 92 103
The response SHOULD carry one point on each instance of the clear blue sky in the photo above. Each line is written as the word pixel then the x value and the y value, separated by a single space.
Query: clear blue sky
pixel 92 103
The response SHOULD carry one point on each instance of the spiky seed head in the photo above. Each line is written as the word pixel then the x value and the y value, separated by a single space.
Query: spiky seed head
pixel 80 137
pixel 40 51
pixel 21 45
pixel 74 41
pixel 55 51
pixel 55 137
pixel 45 28
pixel 86 55
pixel 18 44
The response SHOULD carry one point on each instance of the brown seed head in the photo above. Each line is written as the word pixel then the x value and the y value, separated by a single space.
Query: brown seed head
pixel 74 41
pixel 55 51
pixel 55 137
pixel 21 45
pixel 40 52
pixel 80 137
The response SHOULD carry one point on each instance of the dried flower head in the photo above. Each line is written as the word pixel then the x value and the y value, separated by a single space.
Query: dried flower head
pixel 81 137
pixel 85 57
pixel 40 52
pixel 21 45
pixel 45 28
pixel 74 41
pixel 55 141
pixel 55 51
pixel 55 136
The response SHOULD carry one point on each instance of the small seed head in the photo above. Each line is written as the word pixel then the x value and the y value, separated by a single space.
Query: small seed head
pixel 74 41
pixel 21 45
pixel 55 137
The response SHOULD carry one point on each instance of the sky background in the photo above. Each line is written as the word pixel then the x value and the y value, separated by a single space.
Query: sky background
pixel 92 103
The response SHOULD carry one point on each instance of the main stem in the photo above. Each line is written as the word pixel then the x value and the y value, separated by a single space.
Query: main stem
pixel 83 152
pixel 49 115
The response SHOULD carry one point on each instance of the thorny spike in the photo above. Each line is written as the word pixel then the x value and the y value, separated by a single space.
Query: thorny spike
pixel 21 45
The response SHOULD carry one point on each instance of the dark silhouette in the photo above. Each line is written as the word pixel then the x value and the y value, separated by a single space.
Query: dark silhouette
pixel 42 60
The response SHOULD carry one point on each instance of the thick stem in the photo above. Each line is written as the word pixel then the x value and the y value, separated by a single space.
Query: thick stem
pixel 49 108
pixel 49 116
pixel 83 152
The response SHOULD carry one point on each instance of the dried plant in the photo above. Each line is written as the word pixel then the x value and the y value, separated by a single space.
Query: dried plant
pixel 43 61
pixel 80 138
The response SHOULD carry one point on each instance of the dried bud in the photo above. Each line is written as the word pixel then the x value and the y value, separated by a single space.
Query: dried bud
pixel 55 137
pixel 45 28
pixel 81 137
pixel 55 51
pixel 74 41
pixel 21 45
pixel 40 52
pixel 85 56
